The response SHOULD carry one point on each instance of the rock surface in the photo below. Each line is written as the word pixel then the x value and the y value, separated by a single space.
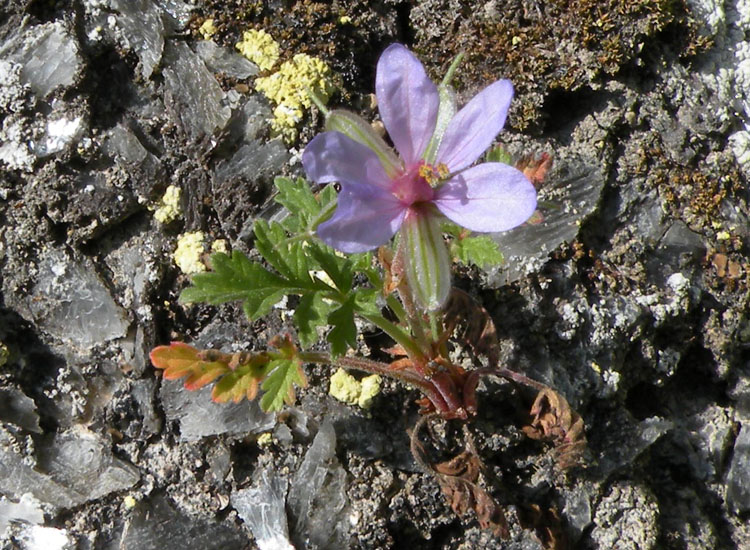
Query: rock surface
pixel 630 297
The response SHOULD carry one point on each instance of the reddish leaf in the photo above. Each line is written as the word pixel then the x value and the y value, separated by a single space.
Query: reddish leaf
pixel 238 374
pixel 179 360
pixel 535 168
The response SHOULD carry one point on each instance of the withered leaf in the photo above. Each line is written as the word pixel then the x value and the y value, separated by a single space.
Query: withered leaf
pixel 552 419
pixel 458 478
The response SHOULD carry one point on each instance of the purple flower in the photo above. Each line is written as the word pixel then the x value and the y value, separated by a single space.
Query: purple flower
pixel 380 191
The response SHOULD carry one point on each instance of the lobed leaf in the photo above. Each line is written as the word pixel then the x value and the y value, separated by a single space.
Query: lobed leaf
pixel 343 334
pixel 311 313
pixel 180 360
pixel 480 251
pixel 235 277
pixel 283 375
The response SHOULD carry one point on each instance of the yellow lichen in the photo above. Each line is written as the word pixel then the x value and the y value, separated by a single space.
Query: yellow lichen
pixel 187 256
pixel 129 502
pixel 169 206
pixel 220 245
pixel 370 388
pixel 348 389
pixel 260 48
pixel 289 89
pixel 207 29
pixel 265 439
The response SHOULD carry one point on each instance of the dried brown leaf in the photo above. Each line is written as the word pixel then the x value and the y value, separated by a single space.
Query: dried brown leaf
pixel 458 480
pixel 552 419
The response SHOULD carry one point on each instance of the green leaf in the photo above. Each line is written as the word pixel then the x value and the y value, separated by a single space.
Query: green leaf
pixel 337 268
pixel 343 334
pixel 283 375
pixel 288 258
pixel 311 313
pixel 237 278
pixel 298 198
pixel 481 251
pixel 498 154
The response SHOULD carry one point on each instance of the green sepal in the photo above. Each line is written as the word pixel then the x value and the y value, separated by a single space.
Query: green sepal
pixel 426 261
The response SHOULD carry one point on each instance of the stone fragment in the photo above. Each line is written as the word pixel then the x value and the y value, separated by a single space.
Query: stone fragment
pixel 199 417
pixel 72 468
pixel 16 408
pixel 738 478
pixel 262 508
pixel 70 302
pixel 574 192
pixel 49 58
pixel 222 60
pixel 142 27
pixel 83 461
pixel 192 94
pixel 26 510
pixel 155 523
pixel 317 496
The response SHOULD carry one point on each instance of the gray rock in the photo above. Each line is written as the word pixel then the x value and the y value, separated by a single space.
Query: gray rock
pixel 49 58
pixel 192 94
pixel 72 468
pixel 142 28
pixel 262 508
pixel 70 302
pixel 626 519
pixel 738 478
pixel 16 408
pixel 83 461
pixel 26 510
pixel 222 60
pixel 198 416
pixel 156 525
pixel 317 497
pixel 572 196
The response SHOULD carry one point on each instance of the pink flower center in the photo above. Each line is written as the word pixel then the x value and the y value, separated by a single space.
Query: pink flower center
pixel 414 185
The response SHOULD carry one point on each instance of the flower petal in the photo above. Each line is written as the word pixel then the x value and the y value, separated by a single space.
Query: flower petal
pixel 488 197
pixel 407 101
pixel 365 218
pixel 475 126
pixel 332 156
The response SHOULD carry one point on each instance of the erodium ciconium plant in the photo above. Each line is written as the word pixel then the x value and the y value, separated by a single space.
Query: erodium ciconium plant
pixel 432 176
pixel 400 203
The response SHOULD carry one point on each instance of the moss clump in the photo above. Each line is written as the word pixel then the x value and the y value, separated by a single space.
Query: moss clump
pixel 542 46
